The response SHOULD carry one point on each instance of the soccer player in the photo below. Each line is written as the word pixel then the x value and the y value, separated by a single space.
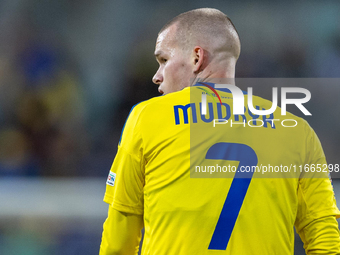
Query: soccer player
pixel 159 178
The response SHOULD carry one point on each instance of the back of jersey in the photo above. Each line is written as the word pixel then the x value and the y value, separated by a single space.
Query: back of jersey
pixel 211 182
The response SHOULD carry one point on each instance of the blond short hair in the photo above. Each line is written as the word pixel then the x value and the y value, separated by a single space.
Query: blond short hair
pixel 205 25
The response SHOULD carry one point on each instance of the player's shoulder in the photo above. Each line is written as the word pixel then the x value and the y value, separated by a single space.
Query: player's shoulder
pixel 291 122
pixel 267 104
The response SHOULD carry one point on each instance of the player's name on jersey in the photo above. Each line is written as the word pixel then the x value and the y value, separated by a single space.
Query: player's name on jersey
pixel 220 114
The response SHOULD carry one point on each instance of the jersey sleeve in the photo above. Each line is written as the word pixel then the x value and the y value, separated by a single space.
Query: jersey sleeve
pixel 125 183
pixel 316 199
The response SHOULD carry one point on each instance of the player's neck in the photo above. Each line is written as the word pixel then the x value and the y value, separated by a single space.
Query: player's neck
pixel 219 76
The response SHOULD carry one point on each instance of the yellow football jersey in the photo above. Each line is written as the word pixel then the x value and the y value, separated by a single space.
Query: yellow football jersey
pixel 218 183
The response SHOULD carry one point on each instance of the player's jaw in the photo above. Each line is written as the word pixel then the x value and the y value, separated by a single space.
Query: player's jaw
pixel 160 90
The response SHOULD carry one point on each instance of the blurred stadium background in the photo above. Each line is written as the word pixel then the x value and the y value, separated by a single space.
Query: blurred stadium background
pixel 70 72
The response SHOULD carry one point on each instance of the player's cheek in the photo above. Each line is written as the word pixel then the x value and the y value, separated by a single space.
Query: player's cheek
pixel 169 73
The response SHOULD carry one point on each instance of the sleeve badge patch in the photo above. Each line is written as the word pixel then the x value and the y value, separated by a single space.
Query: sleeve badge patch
pixel 111 179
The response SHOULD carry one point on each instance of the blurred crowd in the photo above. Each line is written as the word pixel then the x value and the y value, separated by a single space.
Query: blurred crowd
pixel 42 114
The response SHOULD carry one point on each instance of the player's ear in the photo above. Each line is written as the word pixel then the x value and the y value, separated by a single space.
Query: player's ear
pixel 198 58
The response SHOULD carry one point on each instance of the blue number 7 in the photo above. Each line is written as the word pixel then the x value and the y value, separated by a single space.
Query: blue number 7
pixel 238 189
